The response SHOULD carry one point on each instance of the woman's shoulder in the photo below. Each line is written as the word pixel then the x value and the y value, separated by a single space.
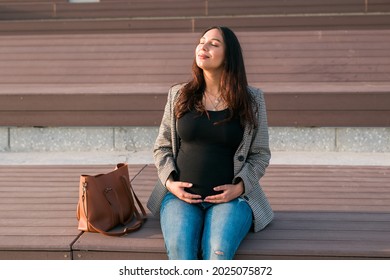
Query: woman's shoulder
pixel 176 88
pixel 173 92
pixel 256 93
pixel 255 90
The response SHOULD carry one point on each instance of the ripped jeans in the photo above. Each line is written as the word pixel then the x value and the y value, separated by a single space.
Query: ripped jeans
pixel 205 230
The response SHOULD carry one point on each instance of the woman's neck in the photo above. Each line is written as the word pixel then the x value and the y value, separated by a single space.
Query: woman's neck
pixel 212 83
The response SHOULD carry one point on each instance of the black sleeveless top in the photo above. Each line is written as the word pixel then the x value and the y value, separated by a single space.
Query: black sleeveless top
pixel 206 152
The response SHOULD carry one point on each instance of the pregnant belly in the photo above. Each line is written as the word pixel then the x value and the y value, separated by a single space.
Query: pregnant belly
pixel 205 171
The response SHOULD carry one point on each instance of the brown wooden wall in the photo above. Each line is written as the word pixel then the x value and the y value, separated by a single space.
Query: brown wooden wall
pixel 59 16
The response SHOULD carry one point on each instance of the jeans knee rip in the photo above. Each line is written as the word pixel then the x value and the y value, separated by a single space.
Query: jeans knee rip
pixel 219 253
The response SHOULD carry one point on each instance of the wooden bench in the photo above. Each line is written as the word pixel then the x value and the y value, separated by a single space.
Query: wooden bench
pixel 310 78
pixel 321 212
pixel 60 16
pixel 111 63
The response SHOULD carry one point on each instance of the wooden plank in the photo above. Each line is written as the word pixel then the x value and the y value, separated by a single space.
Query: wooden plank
pixel 293 100
pixel 187 42
pixel 122 41
pixel 292 68
pixel 329 118
pixel 307 234
pixel 30 1
pixel 26 11
pixel 118 9
pixel 172 78
pixel 90 118
pixel 98 255
pixel 311 78
pixel 313 118
pixel 297 23
pixel 37 215
pixel 121 9
pixel 40 230
pixel 332 216
pixel 295 69
pixel 322 249
pixel 38 200
pixel 40 242
pixel 158 25
pixel 279 7
pixel 95 26
pixel 378 6
pixel 344 225
pixel 40 222
pixel 35 255
pixel 185 58
pixel 86 102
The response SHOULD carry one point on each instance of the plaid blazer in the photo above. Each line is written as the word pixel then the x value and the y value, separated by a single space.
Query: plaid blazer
pixel 250 160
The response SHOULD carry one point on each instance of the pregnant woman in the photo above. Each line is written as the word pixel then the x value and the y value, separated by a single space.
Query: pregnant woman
pixel 210 153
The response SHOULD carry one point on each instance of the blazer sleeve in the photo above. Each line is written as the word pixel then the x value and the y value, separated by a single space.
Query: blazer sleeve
pixel 259 154
pixel 163 151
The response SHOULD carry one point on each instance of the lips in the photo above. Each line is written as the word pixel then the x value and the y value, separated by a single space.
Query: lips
pixel 203 56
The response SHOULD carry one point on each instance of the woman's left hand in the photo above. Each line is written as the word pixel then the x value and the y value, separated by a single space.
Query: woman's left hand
pixel 229 192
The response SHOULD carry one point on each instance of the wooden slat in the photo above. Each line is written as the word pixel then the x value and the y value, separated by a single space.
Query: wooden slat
pixel 310 78
pixel 157 25
pixel 291 104
pixel 90 118
pixel 306 231
pixel 378 6
pixel 317 118
pixel 35 255
pixel 114 9
pixel 302 228
pixel 121 9
pixel 38 209
pixel 276 55
pixel 121 42
pixel 330 118
pixel 11 11
pixel 350 72
pixel 280 7
pixel 117 9
pixel 24 10
pixel 187 16
pixel 326 22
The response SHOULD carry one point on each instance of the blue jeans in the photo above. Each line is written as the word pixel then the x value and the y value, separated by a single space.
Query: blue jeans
pixel 205 230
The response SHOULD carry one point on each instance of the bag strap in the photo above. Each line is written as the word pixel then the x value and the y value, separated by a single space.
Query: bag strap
pixel 140 219
pixel 131 193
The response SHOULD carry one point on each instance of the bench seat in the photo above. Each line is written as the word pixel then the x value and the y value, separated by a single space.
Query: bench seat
pixel 321 212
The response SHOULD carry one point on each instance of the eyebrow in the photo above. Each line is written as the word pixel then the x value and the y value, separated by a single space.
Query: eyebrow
pixel 212 39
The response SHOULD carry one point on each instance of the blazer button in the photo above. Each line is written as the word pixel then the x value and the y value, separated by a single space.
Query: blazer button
pixel 241 158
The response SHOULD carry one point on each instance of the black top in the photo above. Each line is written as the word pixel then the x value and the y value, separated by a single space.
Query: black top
pixel 206 152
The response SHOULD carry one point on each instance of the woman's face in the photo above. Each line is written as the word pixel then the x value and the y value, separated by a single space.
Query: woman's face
pixel 210 52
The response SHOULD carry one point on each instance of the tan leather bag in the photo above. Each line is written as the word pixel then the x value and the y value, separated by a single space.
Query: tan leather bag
pixel 107 201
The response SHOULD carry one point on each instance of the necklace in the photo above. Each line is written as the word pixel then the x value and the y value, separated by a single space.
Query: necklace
pixel 216 101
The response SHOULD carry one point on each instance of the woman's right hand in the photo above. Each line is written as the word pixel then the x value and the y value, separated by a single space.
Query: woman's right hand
pixel 178 189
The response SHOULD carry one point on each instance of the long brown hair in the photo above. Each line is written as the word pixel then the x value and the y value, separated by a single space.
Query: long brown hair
pixel 234 84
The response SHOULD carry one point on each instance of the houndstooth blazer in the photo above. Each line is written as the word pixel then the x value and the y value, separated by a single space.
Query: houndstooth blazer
pixel 250 160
